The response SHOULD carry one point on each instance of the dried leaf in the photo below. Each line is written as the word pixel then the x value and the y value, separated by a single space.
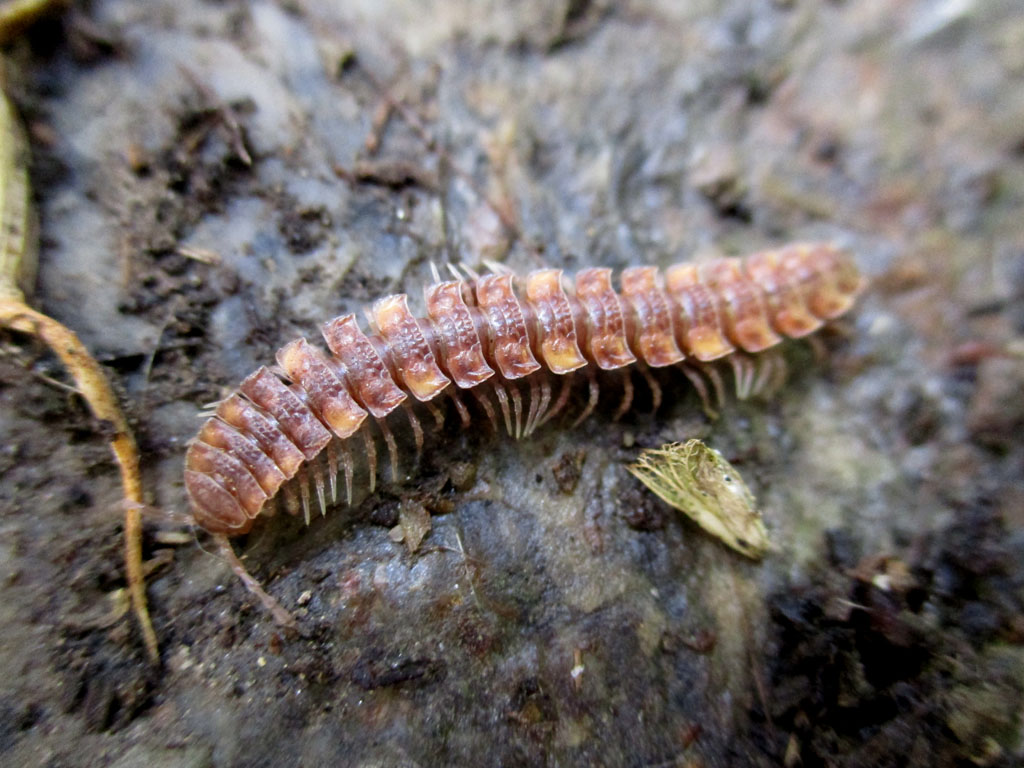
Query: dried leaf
pixel 699 482
pixel 413 524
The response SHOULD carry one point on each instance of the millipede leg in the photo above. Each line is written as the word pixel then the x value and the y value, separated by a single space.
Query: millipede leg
pixel 502 395
pixel 716 381
pixel 743 370
pixel 531 413
pixel 497 268
pixel 517 409
pixel 304 490
pixel 417 431
pixel 763 374
pixel 278 611
pixel 698 383
pixel 436 413
pixel 781 372
pixel 738 374
pixel 371 458
pixel 459 277
pixel 595 392
pixel 346 462
pixel 653 385
pixel 389 439
pixel 760 374
pixel 461 408
pixel 627 395
pixel 318 483
pixel 545 401
pixel 485 403
pixel 560 403
pixel 773 376
pixel 332 469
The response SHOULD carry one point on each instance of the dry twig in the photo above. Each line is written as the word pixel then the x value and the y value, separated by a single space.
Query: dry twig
pixel 17 271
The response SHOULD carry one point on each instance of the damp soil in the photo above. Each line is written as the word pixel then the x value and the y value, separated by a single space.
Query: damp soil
pixel 214 179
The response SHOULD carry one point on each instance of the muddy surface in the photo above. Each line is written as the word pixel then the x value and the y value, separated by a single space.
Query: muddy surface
pixel 217 178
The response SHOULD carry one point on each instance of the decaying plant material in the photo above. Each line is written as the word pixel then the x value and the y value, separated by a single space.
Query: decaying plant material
pixel 699 482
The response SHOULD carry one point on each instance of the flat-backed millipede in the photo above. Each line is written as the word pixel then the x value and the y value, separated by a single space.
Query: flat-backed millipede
pixel 289 430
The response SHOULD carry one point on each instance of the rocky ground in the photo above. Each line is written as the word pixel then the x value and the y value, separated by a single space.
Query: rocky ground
pixel 216 178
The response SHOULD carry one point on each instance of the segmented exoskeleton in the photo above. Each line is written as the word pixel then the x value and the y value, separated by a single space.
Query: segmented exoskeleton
pixel 289 430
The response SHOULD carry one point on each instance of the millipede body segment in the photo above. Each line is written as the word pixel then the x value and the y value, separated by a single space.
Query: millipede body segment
pixel 292 427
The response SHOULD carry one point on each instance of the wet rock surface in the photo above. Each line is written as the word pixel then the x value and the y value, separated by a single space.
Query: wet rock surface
pixel 215 179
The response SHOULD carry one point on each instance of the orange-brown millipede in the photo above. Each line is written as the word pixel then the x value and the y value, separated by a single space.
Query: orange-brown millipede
pixel 289 430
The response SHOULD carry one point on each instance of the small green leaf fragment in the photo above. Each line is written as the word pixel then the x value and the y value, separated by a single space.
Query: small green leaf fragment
pixel 699 482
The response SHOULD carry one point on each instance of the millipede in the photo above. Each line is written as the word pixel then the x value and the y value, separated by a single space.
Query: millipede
pixel 502 342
